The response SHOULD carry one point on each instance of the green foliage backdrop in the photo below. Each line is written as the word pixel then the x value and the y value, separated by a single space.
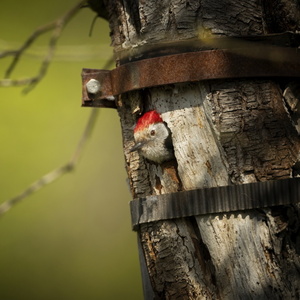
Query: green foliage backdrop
pixel 72 239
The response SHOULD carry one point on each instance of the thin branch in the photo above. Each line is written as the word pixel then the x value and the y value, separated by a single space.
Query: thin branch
pixel 92 25
pixel 30 80
pixel 57 26
pixel 57 173
pixel 16 82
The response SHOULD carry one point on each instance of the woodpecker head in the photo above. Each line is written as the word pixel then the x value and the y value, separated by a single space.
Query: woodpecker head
pixel 153 138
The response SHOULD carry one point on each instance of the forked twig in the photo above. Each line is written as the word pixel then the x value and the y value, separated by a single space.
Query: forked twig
pixel 57 26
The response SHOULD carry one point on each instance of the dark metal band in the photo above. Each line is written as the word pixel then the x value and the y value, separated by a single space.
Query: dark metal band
pixel 214 200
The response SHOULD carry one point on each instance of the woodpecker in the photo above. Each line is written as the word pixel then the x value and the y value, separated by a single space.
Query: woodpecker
pixel 153 138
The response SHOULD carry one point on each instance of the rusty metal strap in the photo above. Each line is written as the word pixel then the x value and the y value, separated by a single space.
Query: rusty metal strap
pixel 271 61
pixel 214 200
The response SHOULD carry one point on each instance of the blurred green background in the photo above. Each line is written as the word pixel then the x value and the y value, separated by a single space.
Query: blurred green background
pixel 73 238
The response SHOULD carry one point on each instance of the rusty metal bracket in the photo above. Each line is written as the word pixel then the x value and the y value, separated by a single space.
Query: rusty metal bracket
pixel 99 87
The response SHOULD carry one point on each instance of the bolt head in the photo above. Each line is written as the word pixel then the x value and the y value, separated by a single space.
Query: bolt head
pixel 93 86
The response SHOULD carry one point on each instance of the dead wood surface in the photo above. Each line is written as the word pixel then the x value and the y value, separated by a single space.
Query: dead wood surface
pixel 224 132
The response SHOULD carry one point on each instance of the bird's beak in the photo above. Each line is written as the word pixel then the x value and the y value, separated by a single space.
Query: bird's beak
pixel 137 146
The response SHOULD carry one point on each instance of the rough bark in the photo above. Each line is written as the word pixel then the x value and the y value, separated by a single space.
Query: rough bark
pixel 224 132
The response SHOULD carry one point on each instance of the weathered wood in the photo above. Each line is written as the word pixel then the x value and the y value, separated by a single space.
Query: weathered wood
pixel 255 130
pixel 224 132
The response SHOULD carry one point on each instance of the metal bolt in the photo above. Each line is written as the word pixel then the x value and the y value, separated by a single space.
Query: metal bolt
pixel 93 86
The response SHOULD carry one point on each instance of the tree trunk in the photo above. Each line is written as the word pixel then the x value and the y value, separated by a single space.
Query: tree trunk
pixel 224 132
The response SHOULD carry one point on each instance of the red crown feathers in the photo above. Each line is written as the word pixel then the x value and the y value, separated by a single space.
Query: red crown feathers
pixel 148 118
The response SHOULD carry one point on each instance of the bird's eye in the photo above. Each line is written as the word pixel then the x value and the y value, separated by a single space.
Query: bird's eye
pixel 152 132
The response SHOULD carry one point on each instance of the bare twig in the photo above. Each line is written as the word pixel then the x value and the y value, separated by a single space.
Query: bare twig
pixel 57 173
pixel 17 82
pixel 57 26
